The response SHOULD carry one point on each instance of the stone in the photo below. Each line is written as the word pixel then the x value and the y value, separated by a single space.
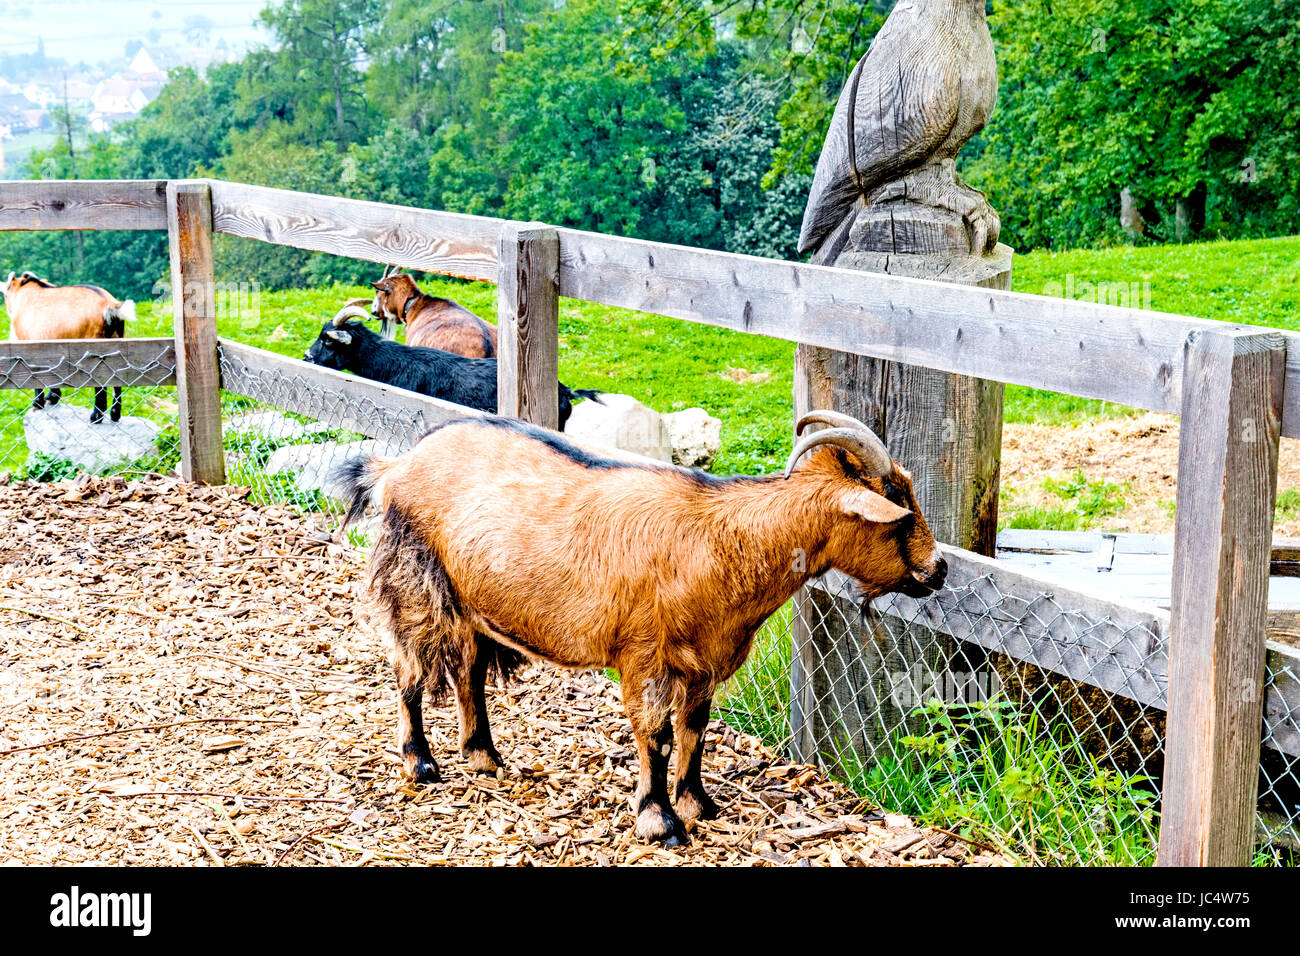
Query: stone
pixel 271 424
pixel 64 432
pixel 696 437
pixel 313 465
pixel 620 421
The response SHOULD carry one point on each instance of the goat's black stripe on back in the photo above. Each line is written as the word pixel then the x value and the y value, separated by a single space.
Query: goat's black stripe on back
pixel 585 458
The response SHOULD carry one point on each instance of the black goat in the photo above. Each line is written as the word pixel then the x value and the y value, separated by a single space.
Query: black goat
pixel 352 346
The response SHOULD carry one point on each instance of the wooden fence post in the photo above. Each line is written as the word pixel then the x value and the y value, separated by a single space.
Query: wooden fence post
pixel 1227 479
pixel 528 324
pixel 846 670
pixel 198 384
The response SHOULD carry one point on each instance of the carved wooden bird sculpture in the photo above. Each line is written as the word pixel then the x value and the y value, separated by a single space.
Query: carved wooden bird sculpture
pixel 925 86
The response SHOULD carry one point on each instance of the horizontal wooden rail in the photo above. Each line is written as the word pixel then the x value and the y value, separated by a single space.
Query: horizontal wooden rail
pixel 345 401
pixel 83 363
pixel 60 204
pixel 1036 619
pixel 445 242
pixel 1127 356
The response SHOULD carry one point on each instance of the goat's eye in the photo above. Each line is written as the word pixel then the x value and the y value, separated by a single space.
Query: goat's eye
pixel 892 493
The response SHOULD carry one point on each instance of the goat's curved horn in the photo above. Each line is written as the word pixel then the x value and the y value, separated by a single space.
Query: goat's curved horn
pixel 349 312
pixel 824 416
pixel 869 449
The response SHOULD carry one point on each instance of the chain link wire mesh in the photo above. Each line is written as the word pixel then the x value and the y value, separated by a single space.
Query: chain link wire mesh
pixel 1033 727
pixel 287 442
pixel 48 433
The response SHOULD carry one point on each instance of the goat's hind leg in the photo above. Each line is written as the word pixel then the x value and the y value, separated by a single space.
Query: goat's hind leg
pixel 101 405
pixel 471 702
pixel 417 760
pixel 38 399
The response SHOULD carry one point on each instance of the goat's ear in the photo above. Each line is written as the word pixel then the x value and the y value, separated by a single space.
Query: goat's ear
pixel 343 338
pixel 872 507
pixel 383 286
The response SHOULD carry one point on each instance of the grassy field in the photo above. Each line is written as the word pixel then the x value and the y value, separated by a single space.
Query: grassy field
pixel 746 380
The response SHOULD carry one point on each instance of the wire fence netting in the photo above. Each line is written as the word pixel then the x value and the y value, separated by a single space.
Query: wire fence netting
pixel 1031 726
pixel 48 433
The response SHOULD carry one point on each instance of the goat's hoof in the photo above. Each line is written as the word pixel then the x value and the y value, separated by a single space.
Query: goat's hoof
pixel 656 824
pixel 424 771
pixel 483 760
pixel 694 805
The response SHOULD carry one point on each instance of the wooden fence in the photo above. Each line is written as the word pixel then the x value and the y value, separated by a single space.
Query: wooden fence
pixel 1227 381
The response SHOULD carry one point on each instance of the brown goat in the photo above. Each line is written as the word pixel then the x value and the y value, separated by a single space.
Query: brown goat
pixel 501 539
pixel 40 310
pixel 432 322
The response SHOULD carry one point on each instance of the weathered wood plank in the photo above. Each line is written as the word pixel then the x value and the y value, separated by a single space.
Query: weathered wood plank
pixel 444 242
pixel 61 204
pixel 1129 356
pixel 528 323
pixel 345 401
pixel 194 313
pixel 1227 467
pixel 82 363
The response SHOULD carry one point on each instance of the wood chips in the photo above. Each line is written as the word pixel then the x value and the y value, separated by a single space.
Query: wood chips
pixel 228 630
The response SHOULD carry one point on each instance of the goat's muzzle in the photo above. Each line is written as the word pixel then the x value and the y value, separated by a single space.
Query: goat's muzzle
pixel 921 584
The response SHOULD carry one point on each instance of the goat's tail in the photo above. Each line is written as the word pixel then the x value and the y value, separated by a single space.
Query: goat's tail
pixel 116 317
pixel 591 393
pixel 360 481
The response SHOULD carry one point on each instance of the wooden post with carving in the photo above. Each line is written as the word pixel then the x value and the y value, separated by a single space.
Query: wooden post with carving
pixel 1223 534
pixel 886 198
pixel 528 319
pixel 194 316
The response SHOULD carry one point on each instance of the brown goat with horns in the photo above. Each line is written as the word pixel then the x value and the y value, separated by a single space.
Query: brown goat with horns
pixel 501 539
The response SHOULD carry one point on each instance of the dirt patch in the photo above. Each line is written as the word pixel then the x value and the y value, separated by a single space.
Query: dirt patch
pixel 243 717
pixel 1141 451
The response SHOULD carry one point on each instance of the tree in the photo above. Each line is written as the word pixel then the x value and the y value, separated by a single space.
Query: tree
pixel 315 78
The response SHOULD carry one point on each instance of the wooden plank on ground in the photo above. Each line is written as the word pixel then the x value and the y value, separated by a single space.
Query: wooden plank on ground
pixel 1227 467
pixel 1130 356
pixel 345 401
pixel 60 204
pixel 444 242
pixel 82 363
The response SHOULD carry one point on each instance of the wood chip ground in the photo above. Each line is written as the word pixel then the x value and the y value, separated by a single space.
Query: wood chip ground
pixel 127 604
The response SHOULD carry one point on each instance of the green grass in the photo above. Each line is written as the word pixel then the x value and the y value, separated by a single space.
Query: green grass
pixel 1081 504
pixel 746 380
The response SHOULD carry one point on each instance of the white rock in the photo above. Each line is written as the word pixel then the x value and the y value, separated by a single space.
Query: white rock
pixel 620 421
pixel 270 424
pixel 313 465
pixel 64 432
pixel 696 437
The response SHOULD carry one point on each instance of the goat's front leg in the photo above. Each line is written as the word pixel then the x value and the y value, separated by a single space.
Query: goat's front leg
pixel 116 413
pixel 647 709
pixel 690 721
pixel 38 399
pixel 417 760
pixel 101 405
pixel 471 703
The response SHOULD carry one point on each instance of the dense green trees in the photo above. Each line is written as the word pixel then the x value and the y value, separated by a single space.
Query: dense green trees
pixel 1193 105
pixel 700 122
